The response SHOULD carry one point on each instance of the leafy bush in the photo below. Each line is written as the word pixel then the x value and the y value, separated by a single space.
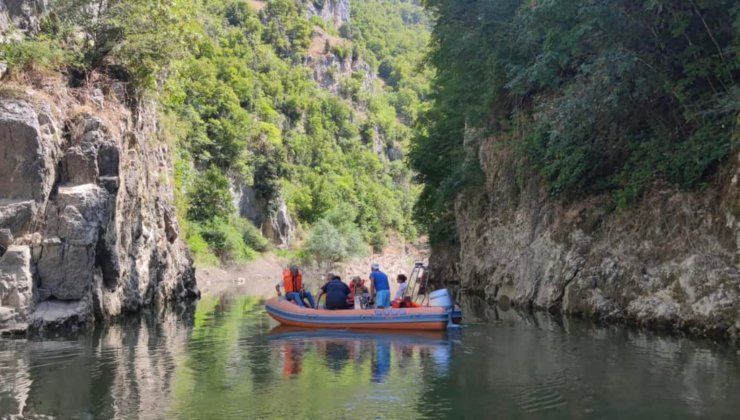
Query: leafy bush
pixel 251 235
pixel 226 241
pixel 34 54
pixel 200 250
pixel 328 244
pixel 209 197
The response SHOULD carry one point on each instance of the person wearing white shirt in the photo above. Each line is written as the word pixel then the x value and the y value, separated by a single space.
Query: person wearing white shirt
pixel 402 285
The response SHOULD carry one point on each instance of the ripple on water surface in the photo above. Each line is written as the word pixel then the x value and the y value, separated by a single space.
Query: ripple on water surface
pixel 224 358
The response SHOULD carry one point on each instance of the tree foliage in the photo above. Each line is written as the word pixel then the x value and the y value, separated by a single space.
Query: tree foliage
pixel 597 96
pixel 242 105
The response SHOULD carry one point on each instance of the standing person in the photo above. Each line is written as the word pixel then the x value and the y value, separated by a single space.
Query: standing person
pixel 402 285
pixel 336 293
pixel 379 287
pixel 292 283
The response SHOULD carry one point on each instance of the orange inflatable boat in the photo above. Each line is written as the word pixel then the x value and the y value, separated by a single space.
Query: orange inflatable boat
pixel 421 318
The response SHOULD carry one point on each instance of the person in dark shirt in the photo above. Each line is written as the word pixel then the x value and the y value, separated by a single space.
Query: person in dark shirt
pixel 336 293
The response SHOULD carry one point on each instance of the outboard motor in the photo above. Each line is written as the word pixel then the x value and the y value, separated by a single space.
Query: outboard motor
pixel 440 298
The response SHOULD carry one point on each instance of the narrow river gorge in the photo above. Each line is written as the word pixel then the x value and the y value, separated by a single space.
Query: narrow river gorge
pixel 572 169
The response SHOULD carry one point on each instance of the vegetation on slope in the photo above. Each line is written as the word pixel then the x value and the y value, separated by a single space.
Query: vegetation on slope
pixel 596 96
pixel 238 101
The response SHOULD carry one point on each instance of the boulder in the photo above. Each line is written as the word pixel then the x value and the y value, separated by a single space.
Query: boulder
pixel 65 270
pixel 78 213
pixel 80 165
pixel 6 238
pixel 16 281
pixel 26 167
pixel 22 14
pixel 61 315
pixel 17 216
pixel 68 254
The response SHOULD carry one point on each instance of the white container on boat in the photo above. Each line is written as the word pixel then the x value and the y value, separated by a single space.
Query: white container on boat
pixel 440 298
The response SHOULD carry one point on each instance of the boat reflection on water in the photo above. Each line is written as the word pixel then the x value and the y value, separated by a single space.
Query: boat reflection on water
pixel 383 349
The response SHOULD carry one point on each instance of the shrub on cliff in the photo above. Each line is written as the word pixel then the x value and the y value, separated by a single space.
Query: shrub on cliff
pixel 139 37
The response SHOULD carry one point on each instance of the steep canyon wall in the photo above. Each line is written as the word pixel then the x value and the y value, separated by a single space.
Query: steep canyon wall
pixel 88 230
pixel 671 261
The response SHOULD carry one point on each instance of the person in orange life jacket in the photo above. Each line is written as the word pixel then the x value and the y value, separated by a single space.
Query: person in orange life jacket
pixel 292 283
pixel 336 293
pixel 357 288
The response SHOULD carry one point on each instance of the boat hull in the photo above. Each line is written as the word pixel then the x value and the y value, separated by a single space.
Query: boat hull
pixel 426 318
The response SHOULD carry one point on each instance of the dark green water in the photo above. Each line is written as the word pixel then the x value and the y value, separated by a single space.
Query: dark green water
pixel 225 359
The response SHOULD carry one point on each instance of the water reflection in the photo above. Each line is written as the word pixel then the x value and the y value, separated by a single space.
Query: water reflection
pixel 123 370
pixel 338 348
pixel 227 359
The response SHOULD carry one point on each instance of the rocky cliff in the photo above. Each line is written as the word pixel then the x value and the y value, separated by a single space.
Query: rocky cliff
pixel 335 11
pixel 670 261
pixel 87 226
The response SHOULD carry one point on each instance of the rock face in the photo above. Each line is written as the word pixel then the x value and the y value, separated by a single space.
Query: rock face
pixel 672 261
pixel 16 284
pixel 270 216
pixel 87 226
pixel 20 14
pixel 336 11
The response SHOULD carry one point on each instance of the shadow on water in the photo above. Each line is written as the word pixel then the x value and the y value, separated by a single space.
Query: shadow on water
pixel 226 358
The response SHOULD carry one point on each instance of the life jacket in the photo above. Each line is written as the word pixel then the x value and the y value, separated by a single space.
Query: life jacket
pixel 361 289
pixel 292 284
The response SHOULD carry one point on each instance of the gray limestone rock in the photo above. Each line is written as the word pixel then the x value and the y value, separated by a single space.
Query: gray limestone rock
pixel 61 315
pixel 26 167
pixel 16 283
pixel 21 14
pixel 79 213
pixel 98 250
pixel 66 270
pixel 80 165
pixel 272 217
pixel 670 262
pixel 335 11
pixel 17 216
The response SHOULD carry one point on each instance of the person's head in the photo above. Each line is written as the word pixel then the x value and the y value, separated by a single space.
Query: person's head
pixel 330 276
pixel 294 269
pixel 401 278
pixel 336 278
pixel 375 267
pixel 356 280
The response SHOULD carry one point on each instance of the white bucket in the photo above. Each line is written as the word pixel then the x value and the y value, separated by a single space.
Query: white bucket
pixel 440 298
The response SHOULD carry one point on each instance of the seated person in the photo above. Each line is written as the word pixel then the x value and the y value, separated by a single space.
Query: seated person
pixel 402 285
pixel 292 284
pixel 357 288
pixel 336 293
